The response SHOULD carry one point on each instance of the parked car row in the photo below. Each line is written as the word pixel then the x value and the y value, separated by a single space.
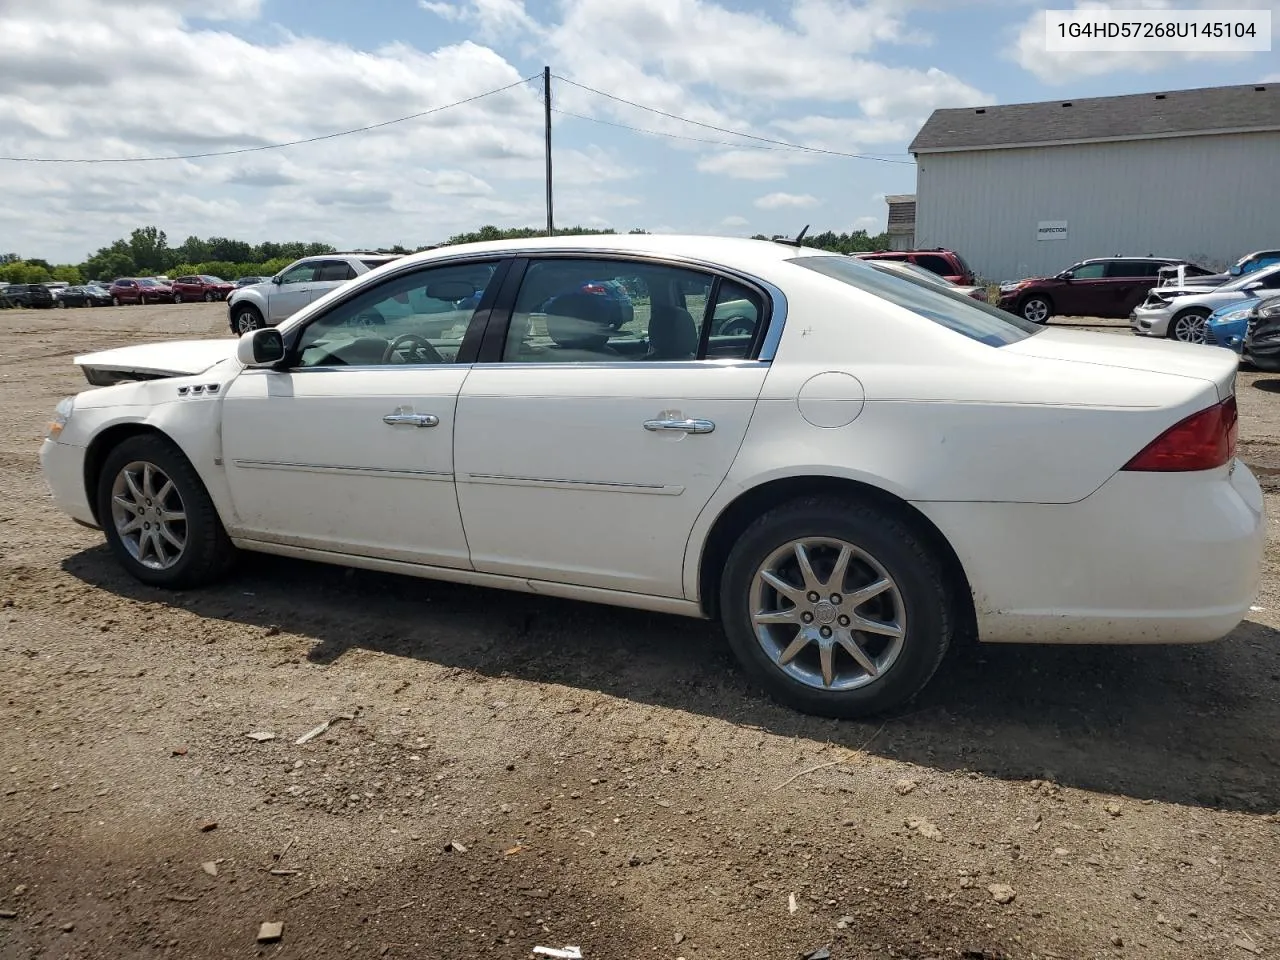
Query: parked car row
pixel 1182 312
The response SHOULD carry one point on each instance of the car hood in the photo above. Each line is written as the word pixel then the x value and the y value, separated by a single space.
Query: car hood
pixel 1137 353
pixel 151 361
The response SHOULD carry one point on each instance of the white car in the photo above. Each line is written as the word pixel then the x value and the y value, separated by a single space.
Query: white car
pixel 879 466
pixel 276 299
pixel 1180 313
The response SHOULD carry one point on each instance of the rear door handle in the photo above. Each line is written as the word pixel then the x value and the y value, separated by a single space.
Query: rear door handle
pixel 410 420
pixel 679 426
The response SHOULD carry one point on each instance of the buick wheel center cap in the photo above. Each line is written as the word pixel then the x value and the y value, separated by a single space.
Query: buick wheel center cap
pixel 824 613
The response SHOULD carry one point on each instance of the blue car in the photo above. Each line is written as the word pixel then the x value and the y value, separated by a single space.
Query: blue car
pixel 1227 325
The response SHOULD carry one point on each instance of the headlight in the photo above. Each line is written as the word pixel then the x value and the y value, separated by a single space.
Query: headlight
pixel 1009 287
pixel 61 414
pixel 1269 311
pixel 1240 313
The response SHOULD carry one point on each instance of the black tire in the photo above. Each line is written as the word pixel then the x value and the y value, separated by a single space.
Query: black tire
pixel 1183 320
pixel 922 584
pixel 115 301
pixel 247 318
pixel 208 298
pixel 208 552
pixel 177 298
pixel 1032 307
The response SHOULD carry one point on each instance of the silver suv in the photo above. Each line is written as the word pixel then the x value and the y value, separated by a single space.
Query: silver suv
pixel 267 304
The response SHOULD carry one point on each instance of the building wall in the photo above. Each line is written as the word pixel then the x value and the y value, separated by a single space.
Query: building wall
pixel 1211 199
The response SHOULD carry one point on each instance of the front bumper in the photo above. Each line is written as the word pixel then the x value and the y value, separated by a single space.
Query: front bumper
pixel 63 468
pixel 1151 321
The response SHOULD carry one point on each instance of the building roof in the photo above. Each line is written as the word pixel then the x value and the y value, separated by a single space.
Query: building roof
pixel 1140 116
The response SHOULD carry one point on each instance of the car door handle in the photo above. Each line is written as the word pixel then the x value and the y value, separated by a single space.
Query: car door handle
pixel 679 426
pixel 410 420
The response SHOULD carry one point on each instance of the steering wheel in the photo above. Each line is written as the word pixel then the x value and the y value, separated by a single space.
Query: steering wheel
pixel 420 350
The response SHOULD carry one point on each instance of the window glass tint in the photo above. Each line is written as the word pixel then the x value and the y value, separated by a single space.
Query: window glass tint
pixel 1267 273
pixel 734 321
pixel 335 270
pixel 1090 271
pixel 375 262
pixel 935 264
pixel 610 311
pixel 302 273
pixel 415 318
pixel 964 315
pixel 1132 268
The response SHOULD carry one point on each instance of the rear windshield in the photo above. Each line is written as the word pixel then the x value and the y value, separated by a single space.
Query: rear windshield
pixel 955 311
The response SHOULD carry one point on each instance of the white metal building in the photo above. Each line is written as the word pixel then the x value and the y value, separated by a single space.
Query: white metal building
pixel 1030 188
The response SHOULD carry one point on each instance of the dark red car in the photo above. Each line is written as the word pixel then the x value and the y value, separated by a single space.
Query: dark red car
pixel 1101 287
pixel 202 287
pixel 945 263
pixel 144 290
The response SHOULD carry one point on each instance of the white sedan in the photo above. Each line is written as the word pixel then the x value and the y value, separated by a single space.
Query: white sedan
pixel 877 467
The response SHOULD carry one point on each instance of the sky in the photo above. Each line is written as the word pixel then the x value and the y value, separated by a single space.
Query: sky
pixel 852 80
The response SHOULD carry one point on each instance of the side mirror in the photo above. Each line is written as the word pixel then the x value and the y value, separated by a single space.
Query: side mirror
pixel 1235 270
pixel 260 348
pixel 277 279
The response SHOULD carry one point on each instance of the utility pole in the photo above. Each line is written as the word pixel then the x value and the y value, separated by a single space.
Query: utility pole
pixel 546 105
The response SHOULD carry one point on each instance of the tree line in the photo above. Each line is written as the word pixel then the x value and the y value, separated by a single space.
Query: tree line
pixel 146 252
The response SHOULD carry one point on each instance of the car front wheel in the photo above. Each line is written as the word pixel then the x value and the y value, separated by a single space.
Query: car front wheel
pixel 248 318
pixel 837 608
pixel 209 298
pixel 1189 326
pixel 177 298
pixel 1036 309
pixel 158 517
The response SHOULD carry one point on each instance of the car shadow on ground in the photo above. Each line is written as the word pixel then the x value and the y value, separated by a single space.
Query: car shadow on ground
pixel 1194 725
pixel 1270 385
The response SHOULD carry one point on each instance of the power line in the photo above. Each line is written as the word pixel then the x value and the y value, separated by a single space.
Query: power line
pixel 734 133
pixel 272 146
pixel 663 133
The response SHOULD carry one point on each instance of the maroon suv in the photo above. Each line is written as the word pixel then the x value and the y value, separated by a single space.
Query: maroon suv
pixel 143 290
pixel 202 287
pixel 945 263
pixel 1103 287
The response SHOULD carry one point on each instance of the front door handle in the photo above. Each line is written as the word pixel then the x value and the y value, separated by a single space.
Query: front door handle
pixel 679 426
pixel 410 420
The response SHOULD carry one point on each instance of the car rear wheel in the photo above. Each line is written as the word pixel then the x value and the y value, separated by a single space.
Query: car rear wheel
pixel 248 318
pixel 158 517
pixel 1189 326
pixel 208 298
pixel 177 298
pixel 837 608
pixel 1036 309
pixel 115 301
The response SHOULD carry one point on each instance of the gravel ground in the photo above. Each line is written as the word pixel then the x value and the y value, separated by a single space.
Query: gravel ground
pixel 503 771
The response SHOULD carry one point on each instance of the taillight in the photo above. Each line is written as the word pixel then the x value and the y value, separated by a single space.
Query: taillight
pixel 593 288
pixel 1202 441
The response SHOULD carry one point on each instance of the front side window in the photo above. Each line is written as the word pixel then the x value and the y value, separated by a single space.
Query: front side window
pixel 955 311
pixel 302 273
pixel 612 311
pixel 1089 271
pixel 417 318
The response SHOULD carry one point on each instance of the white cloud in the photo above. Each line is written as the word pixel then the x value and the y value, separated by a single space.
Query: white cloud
pixel 1055 67
pixel 734 221
pixel 1271 78
pixel 752 164
pixel 868 223
pixel 780 201
pixel 492 18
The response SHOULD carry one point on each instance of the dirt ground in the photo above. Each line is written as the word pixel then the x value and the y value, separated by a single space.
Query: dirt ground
pixel 504 771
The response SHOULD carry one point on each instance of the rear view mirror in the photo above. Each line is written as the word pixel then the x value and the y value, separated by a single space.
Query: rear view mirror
pixel 260 348
pixel 450 290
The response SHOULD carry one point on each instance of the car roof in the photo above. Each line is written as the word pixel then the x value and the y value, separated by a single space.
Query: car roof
pixel 730 251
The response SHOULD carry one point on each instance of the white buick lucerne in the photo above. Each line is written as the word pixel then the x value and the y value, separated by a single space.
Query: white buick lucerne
pixel 858 469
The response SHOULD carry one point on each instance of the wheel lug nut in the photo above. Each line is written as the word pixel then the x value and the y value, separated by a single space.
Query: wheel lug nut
pixel 836 598
pixel 825 631
pixel 807 617
pixel 844 621
pixel 813 597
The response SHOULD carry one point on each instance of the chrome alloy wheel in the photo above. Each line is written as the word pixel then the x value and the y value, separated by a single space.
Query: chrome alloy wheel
pixel 149 515
pixel 827 613
pixel 1190 328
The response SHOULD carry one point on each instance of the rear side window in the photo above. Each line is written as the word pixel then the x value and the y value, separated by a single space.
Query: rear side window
pixel 335 270
pixel 1133 268
pixel 935 264
pixel 955 311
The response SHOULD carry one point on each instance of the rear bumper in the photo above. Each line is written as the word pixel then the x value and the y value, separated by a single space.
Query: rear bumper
pixel 1148 558
pixel 63 468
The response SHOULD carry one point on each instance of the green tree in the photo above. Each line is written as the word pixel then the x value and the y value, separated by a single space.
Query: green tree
pixel 7 258
pixel 193 250
pixel 230 251
pixel 67 272
pixel 149 248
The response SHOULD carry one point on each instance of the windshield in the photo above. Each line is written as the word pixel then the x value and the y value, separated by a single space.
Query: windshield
pixel 148 283
pixel 1240 282
pixel 955 311
pixel 208 279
